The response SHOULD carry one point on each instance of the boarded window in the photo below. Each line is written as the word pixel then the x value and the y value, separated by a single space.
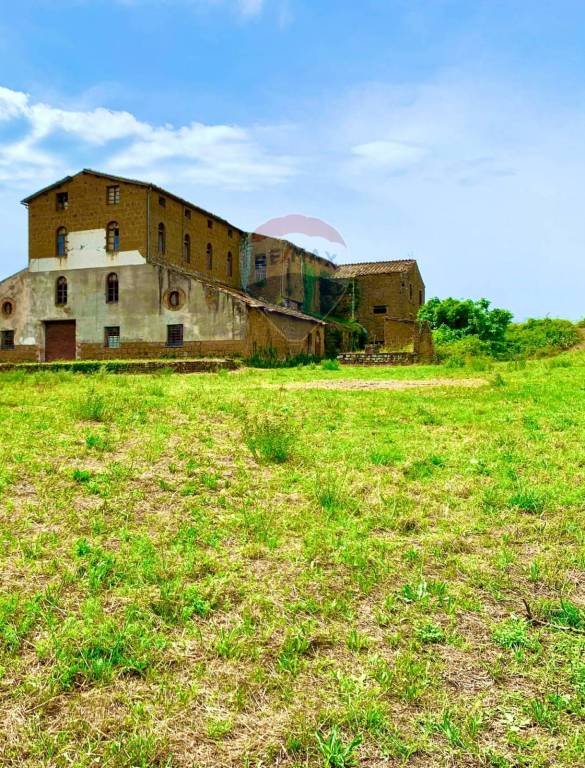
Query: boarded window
pixel 380 309
pixel 187 248
pixel 7 340
pixel 260 266
pixel 113 237
pixel 112 337
pixel 174 335
pixel 61 291
pixel 112 288
pixel 61 243
pixel 113 195
pixel 162 240
pixel 229 267
pixel 62 201
pixel 209 254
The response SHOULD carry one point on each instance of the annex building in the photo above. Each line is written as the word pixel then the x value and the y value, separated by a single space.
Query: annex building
pixel 124 269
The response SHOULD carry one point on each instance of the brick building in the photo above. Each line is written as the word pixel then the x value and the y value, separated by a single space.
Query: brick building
pixel 122 268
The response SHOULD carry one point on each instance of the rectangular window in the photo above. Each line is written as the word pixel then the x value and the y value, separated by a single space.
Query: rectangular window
pixel 7 340
pixel 187 213
pixel 380 309
pixel 410 291
pixel 112 337
pixel 230 232
pixel 420 298
pixel 113 195
pixel 174 335
pixel 260 265
pixel 209 224
pixel 62 201
pixel 162 201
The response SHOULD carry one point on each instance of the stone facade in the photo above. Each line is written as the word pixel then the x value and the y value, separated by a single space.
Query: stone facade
pixel 124 269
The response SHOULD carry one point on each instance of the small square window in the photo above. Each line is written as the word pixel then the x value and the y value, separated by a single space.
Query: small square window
pixel 7 340
pixel 380 309
pixel 162 201
pixel 187 213
pixel 174 335
pixel 209 224
pixel 112 337
pixel 62 201
pixel 113 195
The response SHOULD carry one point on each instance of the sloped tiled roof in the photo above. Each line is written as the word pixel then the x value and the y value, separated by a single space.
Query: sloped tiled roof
pixel 374 268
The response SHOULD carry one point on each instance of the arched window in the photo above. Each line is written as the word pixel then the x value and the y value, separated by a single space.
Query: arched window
pixel 113 238
pixel 61 291
pixel 162 240
pixel 187 248
pixel 209 256
pixel 112 288
pixel 61 244
pixel 230 264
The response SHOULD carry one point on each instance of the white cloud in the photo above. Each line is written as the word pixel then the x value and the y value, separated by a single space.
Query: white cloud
pixel 388 154
pixel 232 156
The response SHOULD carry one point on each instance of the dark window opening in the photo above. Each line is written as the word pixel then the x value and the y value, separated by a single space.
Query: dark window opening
pixel 420 298
pixel 162 201
pixel 112 288
pixel 62 201
pixel 113 195
pixel 7 340
pixel 209 253
pixel 410 291
pixel 61 244
pixel 174 335
pixel 162 242
pixel 7 308
pixel 174 299
pixel 113 237
pixel 187 213
pixel 260 267
pixel 209 224
pixel 230 264
pixel 61 291
pixel 230 232
pixel 187 248
pixel 112 337
pixel 380 309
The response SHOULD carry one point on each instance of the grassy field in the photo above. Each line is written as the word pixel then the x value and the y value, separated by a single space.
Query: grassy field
pixel 227 570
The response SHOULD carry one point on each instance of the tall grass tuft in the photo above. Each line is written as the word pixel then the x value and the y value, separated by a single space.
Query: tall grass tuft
pixel 270 437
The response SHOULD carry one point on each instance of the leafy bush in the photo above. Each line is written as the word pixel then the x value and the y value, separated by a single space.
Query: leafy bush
pixel 456 318
pixel 330 365
pixel 268 358
pixel 542 337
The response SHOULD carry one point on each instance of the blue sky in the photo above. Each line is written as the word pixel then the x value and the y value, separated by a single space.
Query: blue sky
pixel 447 130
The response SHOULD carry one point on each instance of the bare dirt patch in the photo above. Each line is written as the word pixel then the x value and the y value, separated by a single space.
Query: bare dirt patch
pixel 362 384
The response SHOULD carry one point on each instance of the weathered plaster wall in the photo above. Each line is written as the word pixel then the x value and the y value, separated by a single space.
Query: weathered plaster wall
pixel 16 289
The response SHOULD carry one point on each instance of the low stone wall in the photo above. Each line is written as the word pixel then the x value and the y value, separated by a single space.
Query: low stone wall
pixel 202 365
pixel 378 358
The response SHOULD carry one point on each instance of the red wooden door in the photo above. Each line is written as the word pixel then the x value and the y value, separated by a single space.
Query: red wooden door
pixel 60 340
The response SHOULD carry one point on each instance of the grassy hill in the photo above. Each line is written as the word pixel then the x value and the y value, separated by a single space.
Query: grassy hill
pixel 241 569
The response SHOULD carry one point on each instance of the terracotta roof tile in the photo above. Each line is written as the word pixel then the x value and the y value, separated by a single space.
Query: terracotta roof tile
pixel 374 268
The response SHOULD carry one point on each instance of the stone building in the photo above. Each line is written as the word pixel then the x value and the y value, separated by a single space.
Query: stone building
pixel 124 269
pixel 121 268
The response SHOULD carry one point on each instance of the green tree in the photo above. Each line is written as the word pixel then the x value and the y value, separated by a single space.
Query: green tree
pixel 456 318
